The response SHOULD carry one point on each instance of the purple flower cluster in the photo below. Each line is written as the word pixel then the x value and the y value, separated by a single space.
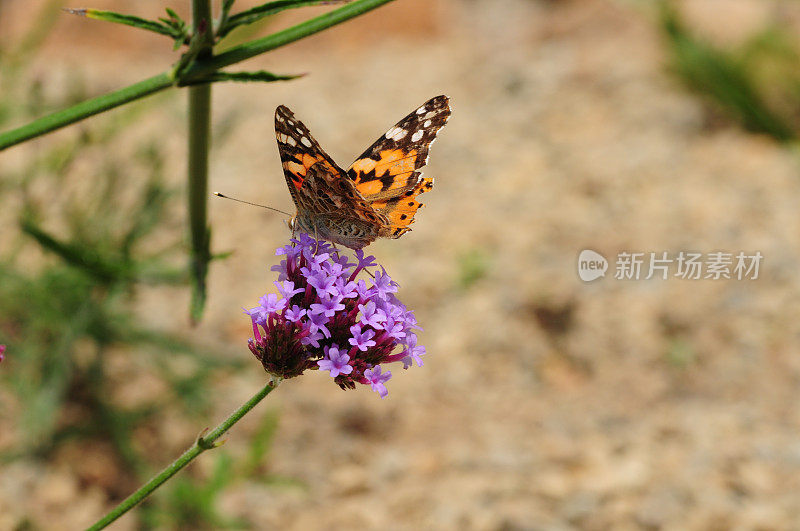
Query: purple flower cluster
pixel 325 317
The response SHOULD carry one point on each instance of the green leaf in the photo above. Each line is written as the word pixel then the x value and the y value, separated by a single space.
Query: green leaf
pixel 224 15
pixel 227 5
pixel 264 10
pixel 720 77
pixel 179 27
pixel 260 445
pixel 128 20
pixel 79 256
pixel 173 15
pixel 260 75
pixel 222 256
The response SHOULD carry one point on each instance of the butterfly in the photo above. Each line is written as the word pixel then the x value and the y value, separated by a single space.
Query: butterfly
pixel 376 197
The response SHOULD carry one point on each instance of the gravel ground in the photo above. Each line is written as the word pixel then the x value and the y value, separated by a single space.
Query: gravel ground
pixel 545 402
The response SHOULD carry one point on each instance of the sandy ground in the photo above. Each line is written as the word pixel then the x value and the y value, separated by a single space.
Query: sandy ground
pixel 545 402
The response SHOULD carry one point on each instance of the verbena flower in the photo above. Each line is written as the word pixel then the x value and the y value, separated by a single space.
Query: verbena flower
pixel 326 318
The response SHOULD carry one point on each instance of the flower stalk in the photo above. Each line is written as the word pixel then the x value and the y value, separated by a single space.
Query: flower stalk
pixel 204 442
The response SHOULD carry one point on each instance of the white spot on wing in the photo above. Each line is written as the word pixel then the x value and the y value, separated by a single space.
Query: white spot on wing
pixel 416 136
pixel 421 110
pixel 291 141
pixel 399 133
pixel 427 123
pixel 305 141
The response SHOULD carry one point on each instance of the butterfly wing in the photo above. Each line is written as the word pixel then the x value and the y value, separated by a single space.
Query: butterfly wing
pixel 386 175
pixel 327 201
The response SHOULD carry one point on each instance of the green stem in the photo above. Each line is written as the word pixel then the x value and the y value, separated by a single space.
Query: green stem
pixel 201 19
pixel 154 84
pixel 199 140
pixel 85 109
pixel 201 445
pixel 199 143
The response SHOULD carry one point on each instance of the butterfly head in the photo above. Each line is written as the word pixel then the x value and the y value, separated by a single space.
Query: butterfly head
pixel 293 224
pixel 297 223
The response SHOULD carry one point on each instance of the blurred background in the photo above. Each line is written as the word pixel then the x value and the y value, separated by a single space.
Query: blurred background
pixel 545 402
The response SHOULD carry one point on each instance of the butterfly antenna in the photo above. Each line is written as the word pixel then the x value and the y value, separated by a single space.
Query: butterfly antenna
pixel 249 203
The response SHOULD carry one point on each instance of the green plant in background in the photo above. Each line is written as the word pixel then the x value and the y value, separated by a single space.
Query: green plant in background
pixel 65 315
pixel 757 84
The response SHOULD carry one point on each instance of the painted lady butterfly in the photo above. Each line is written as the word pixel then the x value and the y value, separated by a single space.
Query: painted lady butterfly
pixel 377 196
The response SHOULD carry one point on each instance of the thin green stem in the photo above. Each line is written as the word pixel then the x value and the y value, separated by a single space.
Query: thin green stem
pixel 202 444
pixel 199 144
pixel 200 232
pixel 85 109
pixel 201 19
pixel 154 84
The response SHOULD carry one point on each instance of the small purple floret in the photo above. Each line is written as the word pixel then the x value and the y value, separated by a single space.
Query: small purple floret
pixel 323 282
pixel 371 315
pixel 376 380
pixel 335 361
pixel 294 314
pixel 328 307
pixel 287 289
pixel 413 352
pixel 361 339
pixel 268 304
pixel 384 285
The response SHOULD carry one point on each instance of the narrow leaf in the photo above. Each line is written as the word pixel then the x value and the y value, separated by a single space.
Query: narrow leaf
pixel 225 13
pixel 227 5
pixel 128 20
pixel 81 257
pixel 260 75
pixel 264 10
pixel 177 25
pixel 173 15
pixel 222 256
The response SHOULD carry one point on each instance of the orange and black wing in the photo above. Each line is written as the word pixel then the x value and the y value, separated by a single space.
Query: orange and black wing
pixel 318 186
pixel 386 175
